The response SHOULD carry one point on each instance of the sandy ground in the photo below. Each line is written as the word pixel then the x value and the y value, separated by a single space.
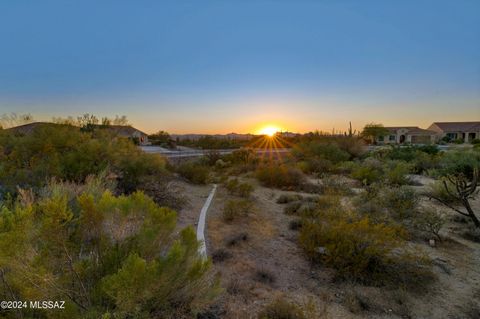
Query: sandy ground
pixel 265 262
pixel 195 197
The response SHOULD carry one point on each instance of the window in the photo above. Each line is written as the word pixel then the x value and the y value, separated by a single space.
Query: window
pixel 452 136
pixel 392 138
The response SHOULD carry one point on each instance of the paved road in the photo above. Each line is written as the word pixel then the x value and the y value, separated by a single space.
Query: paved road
pixel 198 153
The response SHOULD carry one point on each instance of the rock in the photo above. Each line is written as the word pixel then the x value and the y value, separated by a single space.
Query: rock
pixel 321 250
pixel 432 242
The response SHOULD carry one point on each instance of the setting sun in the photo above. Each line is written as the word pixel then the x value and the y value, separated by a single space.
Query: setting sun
pixel 269 130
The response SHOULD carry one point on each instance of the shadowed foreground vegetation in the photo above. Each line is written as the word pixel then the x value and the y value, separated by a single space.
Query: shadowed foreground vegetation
pixel 75 226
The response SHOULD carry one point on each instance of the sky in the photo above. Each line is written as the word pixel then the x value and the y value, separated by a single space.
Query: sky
pixel 236 66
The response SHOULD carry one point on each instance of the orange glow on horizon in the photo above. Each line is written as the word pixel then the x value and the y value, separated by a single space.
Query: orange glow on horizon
pixel 269 130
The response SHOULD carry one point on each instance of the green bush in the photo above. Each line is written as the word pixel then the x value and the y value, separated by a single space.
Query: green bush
pixel 396 173
pixel 235 187
pixel 315 165
pixel 475 141
pixel 317 156
pixel 234 209
pixel 281 176
pixel 195 173
pixel 357 248
pixel 287 198
pixel 333 185
pixel 282 309
pixel 292 208
pixel 430 222
pixel 368 172
pixel 104 255
pixel 67 153
pixel 384 204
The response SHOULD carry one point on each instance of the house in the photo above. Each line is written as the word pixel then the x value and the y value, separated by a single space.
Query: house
pixel 126 131
pixel 28 128
pixel 408 135
pixel 466 131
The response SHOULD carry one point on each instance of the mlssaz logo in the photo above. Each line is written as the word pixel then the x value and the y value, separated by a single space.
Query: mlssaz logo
pixel 47 304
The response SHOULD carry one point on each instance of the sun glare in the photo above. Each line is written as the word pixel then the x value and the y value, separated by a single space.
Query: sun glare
pixel 269 130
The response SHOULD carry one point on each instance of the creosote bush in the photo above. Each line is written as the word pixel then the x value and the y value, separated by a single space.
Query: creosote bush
pixel 282 309
pixel 367 172
pixel 195 173
pixel 287 198
pixel 280 176
pixel 359 249
pixel 234 209
pixel 235 187
pixel 430 221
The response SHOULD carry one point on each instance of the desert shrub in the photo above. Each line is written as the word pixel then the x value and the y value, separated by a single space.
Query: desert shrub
pixel 237 287
pixel 430 222
pixel 235 187
pixel 295 224
pixel 243 156
pixel 163 191
pixel 396 173
pixel 67 153
pixel 236 239
pixel 328 202
pixel 357 302
pixel 195 173
pixel 211 157
pixel 287 198
pixel 220 164
pixel 424 163
pixel 382 204
pixel 315 165
pixel 408 153
pixel 307 209
pixel 264 276
pixel 320 149
pixel 357 248
pixel 292 208
pixel 437 190
pixel 345 167
pixel 281 309
pixel 319 156
pixel 281 176
pixel 401 202
pixel 334 185
pixel 368 172
pixel 220 255
pixel 234 209
pixel 103 254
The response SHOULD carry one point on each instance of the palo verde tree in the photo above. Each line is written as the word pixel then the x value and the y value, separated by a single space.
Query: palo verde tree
pixel 460 178
pixel 372 131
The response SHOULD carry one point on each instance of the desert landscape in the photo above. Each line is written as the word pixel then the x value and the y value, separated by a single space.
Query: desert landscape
pixel 257 159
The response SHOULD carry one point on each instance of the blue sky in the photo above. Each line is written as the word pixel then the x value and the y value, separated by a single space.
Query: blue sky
pixel 222 66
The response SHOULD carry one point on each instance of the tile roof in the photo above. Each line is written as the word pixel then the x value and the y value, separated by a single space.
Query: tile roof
pixel 458 126
pixel 410 130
